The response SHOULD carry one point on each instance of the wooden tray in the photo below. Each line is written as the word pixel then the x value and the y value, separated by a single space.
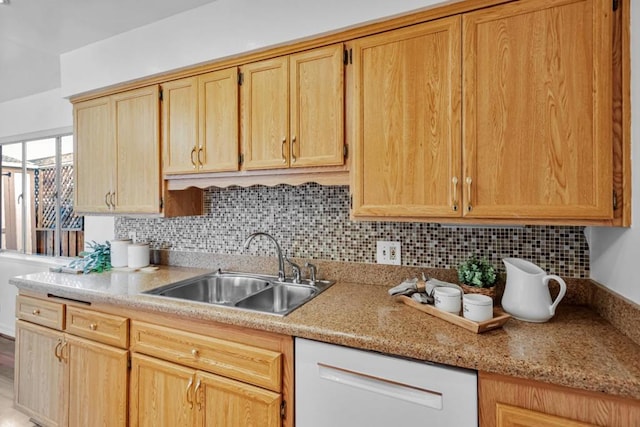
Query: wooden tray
pixel 499 316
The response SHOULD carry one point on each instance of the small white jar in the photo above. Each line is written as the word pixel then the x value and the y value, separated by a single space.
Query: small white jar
pixel 476 307
pixel 138 255
pixel 447 299
pixel 119 252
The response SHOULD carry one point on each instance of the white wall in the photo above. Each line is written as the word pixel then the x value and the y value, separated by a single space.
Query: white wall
pixel 216 30
pixel 615 253
pixel 98 229
pixel 33 116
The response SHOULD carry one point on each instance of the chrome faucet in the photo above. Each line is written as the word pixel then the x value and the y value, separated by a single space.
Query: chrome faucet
pixel 296 270
pixel 248 240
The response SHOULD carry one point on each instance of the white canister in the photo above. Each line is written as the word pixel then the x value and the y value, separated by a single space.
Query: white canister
pixel 119 252
pixel 447 299
pixel 138 255
pixel 476 307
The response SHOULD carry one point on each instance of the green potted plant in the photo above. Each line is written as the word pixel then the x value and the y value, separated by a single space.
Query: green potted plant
pixel 97 260
pixel 477 275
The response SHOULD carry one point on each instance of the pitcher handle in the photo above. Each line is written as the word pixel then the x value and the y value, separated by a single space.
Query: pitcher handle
pixel 563 290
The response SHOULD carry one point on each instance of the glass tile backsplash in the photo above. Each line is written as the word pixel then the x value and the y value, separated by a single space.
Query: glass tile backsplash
pixel 312 221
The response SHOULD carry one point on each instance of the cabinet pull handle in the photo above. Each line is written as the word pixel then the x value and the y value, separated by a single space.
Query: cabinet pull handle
pixel 112 204
pixel 106 199
pixel 93 326
pixel 55 350
pixel 195 352
pixel 454 181
pixel 62 358
pixel 293 150
pixel 35 311
pixel 469 181
pixel 284 156
pixel 193 152
pixel 200 150
pixel 196 393
pixel 189 400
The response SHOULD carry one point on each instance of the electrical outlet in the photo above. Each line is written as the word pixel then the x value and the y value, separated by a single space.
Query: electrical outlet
pixel 388 253
pixel 132 236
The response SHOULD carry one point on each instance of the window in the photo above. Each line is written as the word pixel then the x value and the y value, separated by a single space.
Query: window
pixel 36 198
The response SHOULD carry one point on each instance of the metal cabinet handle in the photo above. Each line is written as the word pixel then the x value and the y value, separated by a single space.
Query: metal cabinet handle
pixel 189 399
pixel 56 351
pixel 469 181
pixel 106 199
pixel 111 203
pixel 454 181
pixel 293 150
pixel 64 345
pixel 284 156
pixel 193 152
pixel 36 311
pixel 93 326
pixel 196 393
pixel 195 352
pixel 200 150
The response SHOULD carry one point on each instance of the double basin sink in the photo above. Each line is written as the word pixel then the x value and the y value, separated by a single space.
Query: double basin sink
pixel 260 293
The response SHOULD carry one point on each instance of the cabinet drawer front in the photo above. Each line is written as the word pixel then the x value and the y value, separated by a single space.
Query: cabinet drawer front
pixel 230 359
pixel 45 313
pixel 101 327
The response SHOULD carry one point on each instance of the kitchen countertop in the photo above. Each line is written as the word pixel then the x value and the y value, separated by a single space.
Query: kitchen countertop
pixel 577 348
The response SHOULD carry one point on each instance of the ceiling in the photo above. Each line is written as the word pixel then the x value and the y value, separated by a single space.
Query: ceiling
pixel 33 34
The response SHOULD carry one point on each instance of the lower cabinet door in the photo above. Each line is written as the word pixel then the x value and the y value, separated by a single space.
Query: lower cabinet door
pixel 162 393
pixel 97 383
pixel 39 373
pixel 228 403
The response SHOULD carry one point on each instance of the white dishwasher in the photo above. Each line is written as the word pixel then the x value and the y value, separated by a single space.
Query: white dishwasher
pixel 339 386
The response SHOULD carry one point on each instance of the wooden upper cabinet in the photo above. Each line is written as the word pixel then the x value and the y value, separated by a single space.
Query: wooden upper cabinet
pixel 117 153
pixel 138 187
pixel 218 141
pixel 537 110
pixel 180 125
pixel 265 114
pixel 406 115
pixel 293 110
pixel 95 155
pixel 200 123
pixel 317 107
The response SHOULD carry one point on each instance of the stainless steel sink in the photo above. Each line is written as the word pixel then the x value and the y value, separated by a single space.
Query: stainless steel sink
pixel 265 294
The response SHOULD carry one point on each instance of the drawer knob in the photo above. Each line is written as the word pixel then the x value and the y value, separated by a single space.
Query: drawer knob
pixel 35 311
pixel 195 352
pixel 93 326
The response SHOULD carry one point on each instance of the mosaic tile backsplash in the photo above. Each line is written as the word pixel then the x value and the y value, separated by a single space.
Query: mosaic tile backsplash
pixel 312 221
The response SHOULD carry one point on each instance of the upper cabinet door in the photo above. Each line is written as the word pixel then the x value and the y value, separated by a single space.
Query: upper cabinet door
pixel 95 155
pixel 180 125
pixel 137 114
pixel 218 111
pixel 406 115
pixel 317 107
pixel 537 110
pixel 265 114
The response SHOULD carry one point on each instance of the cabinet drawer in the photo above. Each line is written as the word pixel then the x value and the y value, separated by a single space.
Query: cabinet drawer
pixel 45 313
pixel 230 359
pixel 101 327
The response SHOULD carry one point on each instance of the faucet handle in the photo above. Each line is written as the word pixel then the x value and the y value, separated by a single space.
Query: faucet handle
pixel 312 272
pixel 296 270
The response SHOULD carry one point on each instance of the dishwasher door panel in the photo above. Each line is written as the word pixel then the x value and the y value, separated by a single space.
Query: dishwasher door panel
pixel 339 386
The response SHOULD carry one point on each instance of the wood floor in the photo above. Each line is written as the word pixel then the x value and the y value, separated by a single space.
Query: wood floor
pixel 9 417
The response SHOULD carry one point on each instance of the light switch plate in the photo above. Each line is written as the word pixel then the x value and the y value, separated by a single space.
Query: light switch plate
pixel 388 252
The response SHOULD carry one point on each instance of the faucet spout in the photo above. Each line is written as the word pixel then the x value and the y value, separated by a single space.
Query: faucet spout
pixel 249 239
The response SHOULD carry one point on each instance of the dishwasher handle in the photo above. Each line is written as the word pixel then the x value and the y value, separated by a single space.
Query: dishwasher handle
pixel 390 388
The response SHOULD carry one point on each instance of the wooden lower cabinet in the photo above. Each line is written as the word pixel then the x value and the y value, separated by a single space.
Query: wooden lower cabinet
pixel 168 394
pixel 62 380
pixel 97 383
pixel 513 402
pixel 39 373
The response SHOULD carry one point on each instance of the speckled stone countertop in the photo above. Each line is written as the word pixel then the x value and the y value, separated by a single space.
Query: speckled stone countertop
pixel 577 348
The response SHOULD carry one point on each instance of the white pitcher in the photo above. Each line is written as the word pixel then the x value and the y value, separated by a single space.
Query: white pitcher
pixel 526 294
